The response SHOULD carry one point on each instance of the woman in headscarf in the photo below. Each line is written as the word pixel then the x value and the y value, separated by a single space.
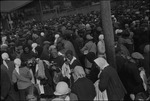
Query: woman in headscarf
pixel 109 80
pixel 101 46
pixel 82 87
pixel 22 76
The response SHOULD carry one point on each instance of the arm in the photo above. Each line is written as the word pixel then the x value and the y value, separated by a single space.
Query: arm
pixel 14 77
pixel 103 81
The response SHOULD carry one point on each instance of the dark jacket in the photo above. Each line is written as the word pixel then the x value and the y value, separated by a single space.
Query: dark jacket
pixel 84 89
pixel 131 78
pixel 5 84
pixel 110 81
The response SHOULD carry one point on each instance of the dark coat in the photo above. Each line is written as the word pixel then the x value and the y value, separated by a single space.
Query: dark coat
pixel 131 78
pixel 110 81
pixel 9 71
pixel 48 83
pixel 84 89
pixel 5 85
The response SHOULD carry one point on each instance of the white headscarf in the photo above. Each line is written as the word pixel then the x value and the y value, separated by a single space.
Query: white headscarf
pixel 101 62
pixel 42 34
pixel 5 56
pixel 56 38
pixel 17 62
pixel 79 72
pixel 101 37
pixel 34 45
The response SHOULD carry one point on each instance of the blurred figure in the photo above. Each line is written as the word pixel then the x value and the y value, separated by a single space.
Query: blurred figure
pixel 22 76
pixel 82 87
pixel 63 93
pixel 109 80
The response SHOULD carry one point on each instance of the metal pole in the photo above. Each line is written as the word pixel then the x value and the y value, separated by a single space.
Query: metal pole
pixel 108 31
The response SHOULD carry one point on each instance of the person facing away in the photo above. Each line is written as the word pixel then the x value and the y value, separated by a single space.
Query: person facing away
pixel 109 80
pixel 82 87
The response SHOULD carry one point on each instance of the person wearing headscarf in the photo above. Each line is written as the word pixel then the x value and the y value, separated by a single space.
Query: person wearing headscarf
pixel 22 76
pixel 34 45
pixel 101 46
pixel 82 87
pixel 109 80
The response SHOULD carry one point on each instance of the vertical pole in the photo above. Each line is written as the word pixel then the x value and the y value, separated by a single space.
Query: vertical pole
pixel 108 31
pixel 41 11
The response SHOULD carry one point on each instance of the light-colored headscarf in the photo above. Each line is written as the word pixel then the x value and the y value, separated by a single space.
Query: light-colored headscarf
pixel 5 56
pixel 101 62
pixel 79 72
pixel 34 45
pixel 56 38
pixel 101 37
pixel 17 62
pixel 42 34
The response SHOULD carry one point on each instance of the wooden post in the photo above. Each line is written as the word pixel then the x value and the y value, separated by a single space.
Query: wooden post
pixel 41 11
pixel 108 31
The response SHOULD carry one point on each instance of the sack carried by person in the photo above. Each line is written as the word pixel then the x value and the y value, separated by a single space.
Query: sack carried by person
pixel 100 96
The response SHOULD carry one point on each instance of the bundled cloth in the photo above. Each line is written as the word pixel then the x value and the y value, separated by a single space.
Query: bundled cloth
pixel 100 96
pixel 66 71
pixel 40 70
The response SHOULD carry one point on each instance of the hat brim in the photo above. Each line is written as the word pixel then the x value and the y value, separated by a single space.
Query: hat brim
pixel 57 93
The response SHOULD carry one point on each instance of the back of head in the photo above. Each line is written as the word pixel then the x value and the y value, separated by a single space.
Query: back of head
pixel 79 72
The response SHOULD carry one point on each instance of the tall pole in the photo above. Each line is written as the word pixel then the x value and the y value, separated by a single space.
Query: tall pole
pixel 108 31
pixel 41 11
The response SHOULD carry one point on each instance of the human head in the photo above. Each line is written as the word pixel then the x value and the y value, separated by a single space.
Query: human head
pixel 101 63
pixel 62 89
pixel 17 62
pixel 78 72
pixel 26 49
pixel 137 57
pixel 54 53
pixel 101 37
pixel 69 55
pixel 5 56
pixel 89 37
pixel 33 94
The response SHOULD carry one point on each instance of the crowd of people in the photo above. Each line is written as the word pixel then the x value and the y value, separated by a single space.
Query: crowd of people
pixel 64 59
